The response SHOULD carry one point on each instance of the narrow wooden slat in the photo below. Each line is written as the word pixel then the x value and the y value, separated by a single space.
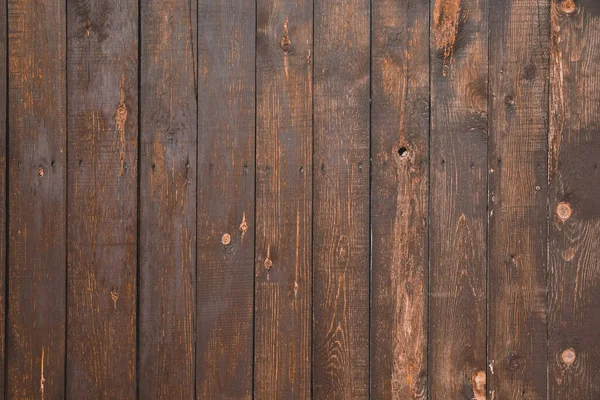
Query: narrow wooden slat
pixel 458 167
pixel 37 200
pixel 168 132
pixel 102 209
pixel 574 242
pixel 341 199
pixel 283 200
pixel 519 44
pixel 3 187
pixel 226 131
pixel 399 199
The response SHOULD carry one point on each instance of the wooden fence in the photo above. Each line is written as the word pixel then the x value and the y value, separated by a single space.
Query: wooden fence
pixel 292 199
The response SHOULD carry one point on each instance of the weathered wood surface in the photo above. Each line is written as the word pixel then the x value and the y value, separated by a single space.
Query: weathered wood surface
pixel 399 199
pixel 226 165
pixel 102 82
pixel 517 182
pixel 282 368
pixel 458 193
pixel 37 187
pixel 574 207
pixel 278 199
pixel 168 137
pixel 341 199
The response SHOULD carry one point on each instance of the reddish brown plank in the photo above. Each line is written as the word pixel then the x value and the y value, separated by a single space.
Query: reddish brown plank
pixel 226 131
pixel 341 199
pixel 168 130
pixel 102 230
pixel 3 191
pixel 283 200
pixel 457 246
pixel 574 246
pixel 519 44
pixel 399 199
pixel 37 200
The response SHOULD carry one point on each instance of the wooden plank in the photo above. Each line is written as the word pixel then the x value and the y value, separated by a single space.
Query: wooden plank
pixel 399 199
pixel 519 44
pixel 102 234
pixel 3 190
pixel 37 199
pixel 574 248
pixel 168 130
pixel 457 353
pixel 341 199
pixel 226 140
pixel 283 200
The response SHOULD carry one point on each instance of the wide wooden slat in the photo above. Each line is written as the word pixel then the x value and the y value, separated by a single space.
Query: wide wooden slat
pixel 399 196
pixel 37 199
pixel 341 199
pixel 574 242
pixel 283 200
pixel 458 164
pixel 519 49
pixel 102 210
pixel 3 192
pixel 168 131
pixel 226 130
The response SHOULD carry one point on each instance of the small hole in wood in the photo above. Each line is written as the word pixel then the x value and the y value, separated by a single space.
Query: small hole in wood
pixel 403 152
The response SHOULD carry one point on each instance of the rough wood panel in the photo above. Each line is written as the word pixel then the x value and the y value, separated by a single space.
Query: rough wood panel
pixel 168 132
pixel 519 40
pixel 226 109
pixel 283 200
pixel 341 199
pixel 37 200
pixel 457 352
pixel 102 209
pixel 574 272
pixel 399 196
pixel 3 187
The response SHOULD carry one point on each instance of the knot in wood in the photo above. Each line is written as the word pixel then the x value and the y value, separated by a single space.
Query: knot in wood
pixel 478 381
pixel 268 263
pixel 568 356
pixel 40 172
pixel 563 211
pixel 226 239
pixel 568 6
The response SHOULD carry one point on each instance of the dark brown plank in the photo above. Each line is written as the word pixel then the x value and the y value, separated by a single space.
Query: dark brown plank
pixel 3 187
pixel 399 199
pixel 168 131
pixel 226 131
pixel 519 40
pixel 458 165
pixel 341 199
pixel 283 200
pixel 574 271
pixel 102 232
pixel 37 199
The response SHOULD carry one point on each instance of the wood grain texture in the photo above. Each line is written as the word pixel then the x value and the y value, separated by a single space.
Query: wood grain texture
pixel 37 200
pixel 574 246
pixel 168 132
pixel 458 164
pixel 399 199
pixel 519 44
pixel 341 200
pixel 102 210
pixel 3 188
pixel 283 200
pixel 226 141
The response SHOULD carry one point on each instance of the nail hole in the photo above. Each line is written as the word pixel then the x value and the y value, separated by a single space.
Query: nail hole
pixel 301 170
pixel 245 168
pixel 80 163
pixel 52 164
